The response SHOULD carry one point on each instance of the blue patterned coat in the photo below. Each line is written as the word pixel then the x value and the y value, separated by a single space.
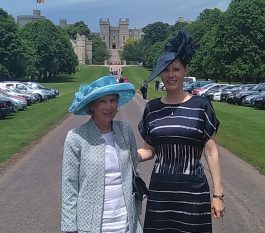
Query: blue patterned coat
pixel 83 177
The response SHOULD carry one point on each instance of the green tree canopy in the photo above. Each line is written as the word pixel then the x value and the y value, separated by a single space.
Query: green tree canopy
pixel 155 32
pixel 78 28
pixel 11 50
pixel 53 50
pixel 99 50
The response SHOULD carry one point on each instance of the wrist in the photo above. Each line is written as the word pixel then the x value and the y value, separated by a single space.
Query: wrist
pixel 219 196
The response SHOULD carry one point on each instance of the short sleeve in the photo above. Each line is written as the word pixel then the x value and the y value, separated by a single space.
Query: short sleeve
pixel 211 123
pixel 143 126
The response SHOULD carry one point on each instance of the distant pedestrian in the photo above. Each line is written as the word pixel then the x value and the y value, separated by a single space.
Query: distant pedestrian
pixel 121 80
pixel 157 85
pixel 144 89
pixel 126 80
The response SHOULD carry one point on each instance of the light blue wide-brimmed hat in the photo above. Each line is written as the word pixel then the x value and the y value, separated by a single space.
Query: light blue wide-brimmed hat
pixel 180 46
pixel 106 85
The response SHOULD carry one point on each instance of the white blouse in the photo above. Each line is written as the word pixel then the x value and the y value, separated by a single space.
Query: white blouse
pixel 114 214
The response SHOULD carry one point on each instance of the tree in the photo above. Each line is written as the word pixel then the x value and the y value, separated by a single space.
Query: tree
pixel 99 50
pixel 78 27
pixel 242 40
pixel 53 50
pixel 11 50
pixel 133 50
pixel 155 32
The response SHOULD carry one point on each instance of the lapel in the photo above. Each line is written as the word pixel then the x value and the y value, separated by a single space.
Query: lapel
pixel 121 148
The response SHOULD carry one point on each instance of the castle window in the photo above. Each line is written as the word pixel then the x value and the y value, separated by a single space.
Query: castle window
pixel 103 37
pixel 113 37
pixel 123 37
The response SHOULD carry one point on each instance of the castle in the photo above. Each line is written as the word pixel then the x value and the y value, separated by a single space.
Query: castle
pixel 82 46
pixel 115 37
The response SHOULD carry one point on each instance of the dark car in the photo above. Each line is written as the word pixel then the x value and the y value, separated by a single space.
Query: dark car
pixel 260 102
pixel 225 93
pixel 250 91
pixel 5 107
pixel 250 99
pixel 232 92
pixel 190 87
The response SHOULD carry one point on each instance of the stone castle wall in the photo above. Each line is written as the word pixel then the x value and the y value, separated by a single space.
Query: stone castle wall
pixel 115 37
pixel 83 49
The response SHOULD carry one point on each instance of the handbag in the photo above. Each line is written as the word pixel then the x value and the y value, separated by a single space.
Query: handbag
pixel 139 187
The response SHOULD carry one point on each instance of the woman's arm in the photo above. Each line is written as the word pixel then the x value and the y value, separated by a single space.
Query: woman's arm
pixel 147 152
pixel 212 158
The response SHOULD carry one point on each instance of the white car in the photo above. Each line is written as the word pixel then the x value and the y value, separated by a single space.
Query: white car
pixel 25 89
pixel 161 86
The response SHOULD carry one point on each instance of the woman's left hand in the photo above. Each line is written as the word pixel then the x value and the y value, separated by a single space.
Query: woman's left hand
pixel 218 208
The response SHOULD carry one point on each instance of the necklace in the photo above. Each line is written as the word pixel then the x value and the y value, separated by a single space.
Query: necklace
pixel 173 109
pixel 184 99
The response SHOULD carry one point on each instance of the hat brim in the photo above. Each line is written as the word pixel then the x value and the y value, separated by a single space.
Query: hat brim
pixel 165 59
pixel 125 91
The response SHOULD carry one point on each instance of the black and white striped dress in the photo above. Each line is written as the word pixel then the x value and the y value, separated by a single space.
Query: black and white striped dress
pixel 179 199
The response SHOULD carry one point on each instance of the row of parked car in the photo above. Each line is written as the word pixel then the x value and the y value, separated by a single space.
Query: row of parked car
pixel 16 95
pixel 247 95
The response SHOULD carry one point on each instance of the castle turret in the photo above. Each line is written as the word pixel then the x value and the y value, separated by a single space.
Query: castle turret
pixel 104 31
pixel 63 23
pixel 123 32
pixel 22 20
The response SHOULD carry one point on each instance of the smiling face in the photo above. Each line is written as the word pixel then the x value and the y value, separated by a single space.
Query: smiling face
pixel 104 109
pixel 173 76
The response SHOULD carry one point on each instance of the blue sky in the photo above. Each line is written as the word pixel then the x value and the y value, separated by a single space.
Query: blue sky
pixel 139 12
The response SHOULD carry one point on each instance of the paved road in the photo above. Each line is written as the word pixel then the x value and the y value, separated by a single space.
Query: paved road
pixel 30 190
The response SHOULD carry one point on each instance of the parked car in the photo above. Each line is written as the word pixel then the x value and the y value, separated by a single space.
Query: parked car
pixel 233 91
pixel 190 87
pixel 27 97
pixel 19 100
pixel 25 89
pixel 161 86
pixel 260 102
pixel 250 99
pixel 210 87
pixel 216 96
pixel 36 85
pixel 256 89
pixel 5 107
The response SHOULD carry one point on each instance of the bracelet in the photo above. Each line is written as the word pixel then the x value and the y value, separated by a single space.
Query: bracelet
pixel 220 197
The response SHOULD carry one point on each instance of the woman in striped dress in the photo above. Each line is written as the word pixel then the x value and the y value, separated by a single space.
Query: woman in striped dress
pixel 177 128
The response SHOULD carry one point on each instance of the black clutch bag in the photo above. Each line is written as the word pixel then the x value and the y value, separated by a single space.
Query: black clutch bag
pixel 139 187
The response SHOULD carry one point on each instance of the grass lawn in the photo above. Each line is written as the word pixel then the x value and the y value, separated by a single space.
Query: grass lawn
pixel 241 131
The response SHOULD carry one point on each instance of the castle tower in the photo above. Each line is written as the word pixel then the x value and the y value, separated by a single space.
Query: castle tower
pixel 22 20
pixel 104 31
pixel 81 48
pixel 123 32
pixel 88 51
pixel 63 23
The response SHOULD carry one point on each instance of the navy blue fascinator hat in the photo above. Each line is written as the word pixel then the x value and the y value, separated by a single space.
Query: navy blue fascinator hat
pixel 103 86
pixel 180 46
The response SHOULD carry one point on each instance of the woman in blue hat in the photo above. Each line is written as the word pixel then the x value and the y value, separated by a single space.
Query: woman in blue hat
pixel 177 129
pixel 97 170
